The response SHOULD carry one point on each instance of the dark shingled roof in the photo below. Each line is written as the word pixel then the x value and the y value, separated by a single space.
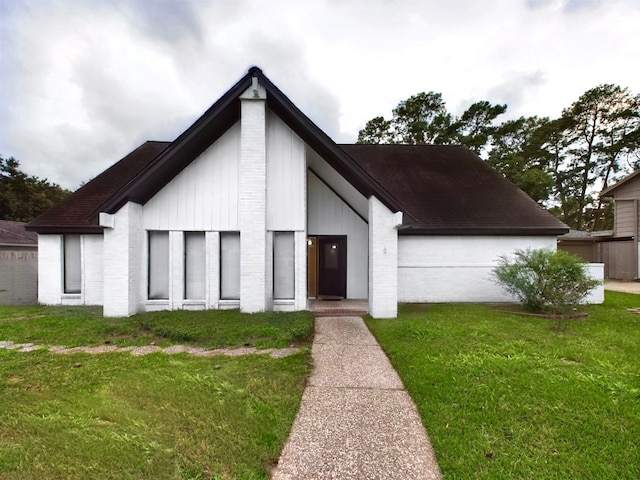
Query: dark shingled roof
pixel 448 189
pixel 79 211
pixel 14 233
pixel 440 189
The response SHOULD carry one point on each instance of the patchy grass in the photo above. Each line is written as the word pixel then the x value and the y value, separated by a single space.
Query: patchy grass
pixel 504 396
pixel 157 416
pixel 74 326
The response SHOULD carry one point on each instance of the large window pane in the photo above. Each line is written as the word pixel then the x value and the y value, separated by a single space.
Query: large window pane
pixel 194 266
pixel 283 265
pixel 230 265
pixel 159 265
pixel 72 266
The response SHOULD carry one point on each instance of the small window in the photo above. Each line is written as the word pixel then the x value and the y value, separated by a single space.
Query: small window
pixel 158 265
pixel 230 265
pixel 194 266
pixel 283 265
pixel 72 265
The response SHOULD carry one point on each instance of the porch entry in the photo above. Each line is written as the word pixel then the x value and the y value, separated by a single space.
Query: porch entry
pixel 327 267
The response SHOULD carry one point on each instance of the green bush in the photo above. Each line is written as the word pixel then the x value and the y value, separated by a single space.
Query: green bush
pixel 545 281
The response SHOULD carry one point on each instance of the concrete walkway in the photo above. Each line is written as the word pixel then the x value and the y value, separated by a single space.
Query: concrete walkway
pixel 356 421
pixel 621 286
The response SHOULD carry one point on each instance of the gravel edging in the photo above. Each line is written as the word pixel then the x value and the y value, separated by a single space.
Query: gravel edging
pixel 148 349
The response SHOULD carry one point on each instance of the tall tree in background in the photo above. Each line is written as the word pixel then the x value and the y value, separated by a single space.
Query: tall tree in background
pixel 603 129
pixel 24 197
pixel 475 127
pixel 561 163
pixel 424 119
pixel 516 153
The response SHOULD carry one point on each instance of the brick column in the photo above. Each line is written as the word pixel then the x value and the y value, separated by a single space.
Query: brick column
pixel 383 260
pixel 123 246
pixel 253 200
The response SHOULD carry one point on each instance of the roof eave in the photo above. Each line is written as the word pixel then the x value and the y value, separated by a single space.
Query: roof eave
pixel 488 231
pixel 57 229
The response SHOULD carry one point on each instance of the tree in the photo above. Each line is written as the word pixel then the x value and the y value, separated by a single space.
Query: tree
pixel 475 127
pixel 23 197
pixel 601 138
pixel 515 152
pixel 423 119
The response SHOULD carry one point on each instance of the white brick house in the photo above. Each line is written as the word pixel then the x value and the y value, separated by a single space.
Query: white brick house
pixel 254 207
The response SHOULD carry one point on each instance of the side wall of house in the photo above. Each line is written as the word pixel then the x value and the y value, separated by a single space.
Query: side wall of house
pixel 456 268
pixel 51 271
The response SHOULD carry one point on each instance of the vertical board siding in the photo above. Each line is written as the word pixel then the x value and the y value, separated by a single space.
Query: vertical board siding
pixel 285 177
pixel 329 215
pixel 624 218
pixel 456 269
pixel 204 196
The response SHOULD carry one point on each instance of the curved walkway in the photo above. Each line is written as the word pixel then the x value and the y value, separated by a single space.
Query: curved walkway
pixel 147 349
pixel 355 421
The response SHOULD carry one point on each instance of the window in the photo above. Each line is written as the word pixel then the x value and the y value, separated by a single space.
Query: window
pixel 158 265
pixel 283 265
pixel 230 265
pixel 72 266
pixel 194 266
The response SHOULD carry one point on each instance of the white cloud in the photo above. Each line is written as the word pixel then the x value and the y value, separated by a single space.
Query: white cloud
pixel 85 82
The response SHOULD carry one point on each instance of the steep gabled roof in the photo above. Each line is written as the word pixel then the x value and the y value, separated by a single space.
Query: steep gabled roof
pixel 143 183
pixel 450 190
pixel 216 121
pixel 78 213
pixel 440 189
pixel 14 233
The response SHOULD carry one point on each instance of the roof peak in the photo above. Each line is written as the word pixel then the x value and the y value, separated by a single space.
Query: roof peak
pixel 254 70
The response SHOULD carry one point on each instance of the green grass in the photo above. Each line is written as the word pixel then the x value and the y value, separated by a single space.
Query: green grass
pixel 157 416
pixel 506 397
pixel 74 326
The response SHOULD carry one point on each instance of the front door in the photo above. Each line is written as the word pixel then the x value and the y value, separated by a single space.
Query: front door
pixel 332 267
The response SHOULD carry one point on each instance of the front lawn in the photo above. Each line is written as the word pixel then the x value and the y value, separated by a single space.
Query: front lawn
pixel 157 416
pixel 505 397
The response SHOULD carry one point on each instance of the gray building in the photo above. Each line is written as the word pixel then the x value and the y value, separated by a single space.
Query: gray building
pixel 18 264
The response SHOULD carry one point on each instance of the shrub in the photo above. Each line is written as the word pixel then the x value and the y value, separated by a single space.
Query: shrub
pixel 545 281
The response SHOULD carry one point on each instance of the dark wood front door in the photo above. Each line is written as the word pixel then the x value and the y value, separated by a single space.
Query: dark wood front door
pixel 332 267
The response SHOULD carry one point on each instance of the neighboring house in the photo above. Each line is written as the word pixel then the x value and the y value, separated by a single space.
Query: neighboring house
pixel 620 253
pixel 254 207
pixel 18 264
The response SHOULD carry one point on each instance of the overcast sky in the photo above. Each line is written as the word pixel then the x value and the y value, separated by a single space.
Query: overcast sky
pixel 84 82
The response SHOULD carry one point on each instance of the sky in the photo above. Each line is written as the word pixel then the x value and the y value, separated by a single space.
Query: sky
pixel 84 82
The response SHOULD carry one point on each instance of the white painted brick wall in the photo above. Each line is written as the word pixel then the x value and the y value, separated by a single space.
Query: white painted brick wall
pixel 49 269
pixel 300 240
pixel 456 268
pixel 123 266
pixel 93 269
pixel 176 270
pixel 596 270
pixel 212 252
pixel 383 261
pixel 252 208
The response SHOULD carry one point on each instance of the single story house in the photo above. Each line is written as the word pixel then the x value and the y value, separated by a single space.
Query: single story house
pixel 254 207
pixel 18 264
